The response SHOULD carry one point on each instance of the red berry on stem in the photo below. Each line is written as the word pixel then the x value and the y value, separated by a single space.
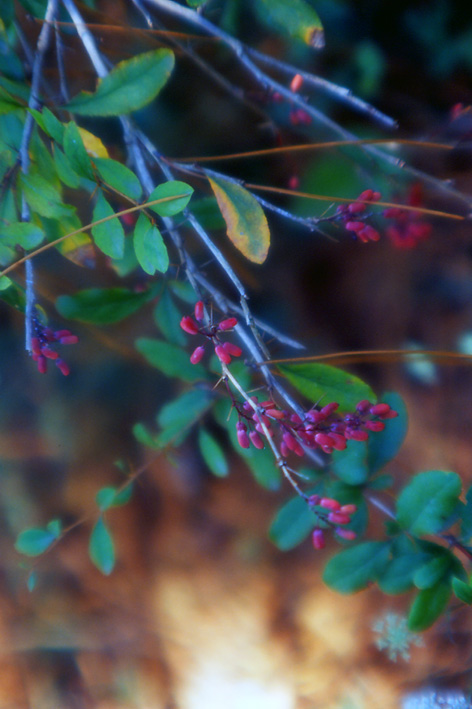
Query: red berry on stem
pixel 348 534
pixel 243 438
pixel 232 350
pixel 63 367
pixel 222 355
pixel 318 539
pixel 189 325
pixel 329 504
pixel 256 440
pixel 199 310
pixel 197 354
pixel 296 83
pixel 338 518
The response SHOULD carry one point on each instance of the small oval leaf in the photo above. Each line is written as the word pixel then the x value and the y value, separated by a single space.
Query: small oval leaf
pixel 108 236
pixel 424 506
pixel 212 454
pixel 149 247
pixel 175 196
pixel 34 541
pixel 102 548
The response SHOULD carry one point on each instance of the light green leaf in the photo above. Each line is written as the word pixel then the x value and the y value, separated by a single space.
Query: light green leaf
pixel 212 453
pixel 321 382
pixel 109 236
pixel 131 85
pixel 101 548
pixel 101 306
pixel 175 196
pixel 108 497
pixel 167 316
pixel 296 17
pixel 64 169
pixel 170 359
pixel 119 177
pixel 424 506
pixel 43 197
pixel 26 234
pixel 55 527
pixel 149 247
pixel 246 223
pixel 48 122
pixel 76 153
pixel 8 102
pixel 353 568
pixel 34 541
pixel 428 606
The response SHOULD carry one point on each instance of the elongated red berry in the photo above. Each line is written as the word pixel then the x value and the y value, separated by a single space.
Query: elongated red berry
pixel 338 518
pixel 199 310
pixel 232 349
pixel 275 413
pixel 329 504
pixel 296 83
pixel 366 195
pixel 348 534
pixel 314 500
pixel 49 353
pixel 362 406
pixel 69 340
pixel 227 324
pixel 323 439
pixel 197 355
pixel 329 408
pixel 318 539
pixel 356 435
pixel 348 509
pixel 189 325
pixel 374 425
pixel 35 346
pixel 42 364
pixel 243 438
pixel 379 409
pixel 222 355
pixel 355 226
pixel 256 440
pixel 356 207
pixel 63 367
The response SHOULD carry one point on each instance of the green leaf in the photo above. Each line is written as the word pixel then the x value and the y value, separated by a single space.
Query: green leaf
pixel 64 169
pixel 292 524
pixel 149 247
pixel 321 381
pixel 26 234
pixel 167 316
pixel 43 197
pixel 424 506
pixel 101 306
pixel 175 195
pixel 119 177
pixel 354 568
pixel 384 445
pixel 466 524
pixel 55 527
pixel 381 482
pixel 144 436
pixel 31 582
pixel 428 606
pixel 8 102
pixel 108 497
pixel 462 591
pixel 14 295
pixel 350 465
pixel 34 541
pixel 48 123
pixel 212 454
pixel 435 569
pixel 76 153
pixel 296 17
pixel 246 223
pixel 177 417
pixel 101 548
pixel 398 575
pixel 131 85
pixel 108 236
pixel 170 359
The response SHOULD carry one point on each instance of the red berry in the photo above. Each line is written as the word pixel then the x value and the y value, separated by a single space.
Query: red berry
pixel 275 413
pixel 366 195
pixel 348 509
pixel 355 435
pixel 256 440
pixel 318 539
pixel 329 408
pixel 362 406
pixel 35 346
pixel 199 310
pixel 374 425
pixel 189 325
pixel 324 440
pixel 329 504
pixel 63 367
pixel 354 226
pixel 338 518
pixel 49 353
pixel 348 534
pixel 314 500
pixel 197 355
pixel 222 355
pixel 69 340
pixel 294 182
pixel 296 83
pixel 42 364
pixel 227 324
pixel 232 350
pixel 379 409
pixel 356 208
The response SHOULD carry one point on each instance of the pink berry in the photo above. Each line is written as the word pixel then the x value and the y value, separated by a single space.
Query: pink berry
pixel 256 440
pixel 222 355
pixel 323 439
pixel 348 509
pixel 374 426
pixel 275 413
pixel 293 183
pixel 356 208
pixel 49 353
pixel 354 226
pixel 69 340
pixel 35 346
pixel 296 83
pixel 329 504
pixel 314 500
pixel 366 195
pixel 232 350
pixel 243 438
pixel 63 367
pixel 355 435
pixel 199 310
pixel 379 409
pixel 369 233
pixel 348 534
pixel 362 406
pixel 338 518
pixel 227 324
pixel 189 325
pixel 329 408
pixel 42 364
pixel 197 355
pixel 318 539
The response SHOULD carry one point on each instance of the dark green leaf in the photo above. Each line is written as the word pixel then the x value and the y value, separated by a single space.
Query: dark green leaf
pixel 466 525
pixel 43 197
pixel 171 360
pixel 381 482
pixel 398 575
pixel 462 591
pixel 48 122
pixel 130 85
pixel 144 436
pixel 212 453
pixel 34 541
pixel 26 234
pixel 167 316
pixel 101 306
pixel 149 247
pixel 292 524
pixel 246 223
pixel 13 294
pixel 118 176
pixel 101 548
pixel 428 606
pixel 431 572
pixel 322 382
pixel 350 465
pixel 76 153
pixel 384 445
pixel 175 195
pixel 427 502
pixel 64 169
pixel 296 17
pixel 354 568
pixel 108 236
pixel 8 102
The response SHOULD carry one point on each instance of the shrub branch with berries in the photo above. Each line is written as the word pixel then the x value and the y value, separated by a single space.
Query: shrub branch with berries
pixel 321 429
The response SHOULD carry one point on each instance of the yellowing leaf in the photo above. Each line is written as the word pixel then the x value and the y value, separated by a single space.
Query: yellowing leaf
pixel 296 17
pixel 245 221
pixel 93 145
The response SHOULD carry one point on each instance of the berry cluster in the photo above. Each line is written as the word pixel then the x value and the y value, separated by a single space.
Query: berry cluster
pixel 354 216
pixel 41 346
pixel 333 514
pixel 223 350
pixel 408 227
pixel 319 428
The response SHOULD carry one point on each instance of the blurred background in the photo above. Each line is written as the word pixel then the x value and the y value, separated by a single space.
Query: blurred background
pixel 202 611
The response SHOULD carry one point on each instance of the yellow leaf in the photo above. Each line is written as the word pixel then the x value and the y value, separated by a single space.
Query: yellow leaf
pixel 93 145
